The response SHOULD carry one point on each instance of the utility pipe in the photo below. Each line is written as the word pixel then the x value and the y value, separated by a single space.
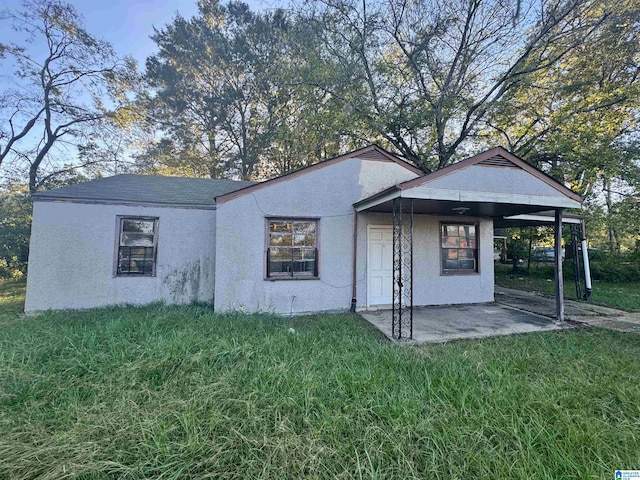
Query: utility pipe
pixel 354 272
pixel 585 261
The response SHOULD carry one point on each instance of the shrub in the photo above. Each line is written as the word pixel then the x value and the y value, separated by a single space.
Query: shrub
pixel 615 269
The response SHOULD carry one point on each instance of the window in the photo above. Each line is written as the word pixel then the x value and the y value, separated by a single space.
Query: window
pixel 459 247
pixel 137 243
pixel 292 251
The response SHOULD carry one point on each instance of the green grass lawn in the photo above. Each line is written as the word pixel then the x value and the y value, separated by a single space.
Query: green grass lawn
pixel 179 392
pixel 625 296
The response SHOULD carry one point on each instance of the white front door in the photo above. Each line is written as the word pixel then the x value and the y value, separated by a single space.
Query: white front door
pixel 380 265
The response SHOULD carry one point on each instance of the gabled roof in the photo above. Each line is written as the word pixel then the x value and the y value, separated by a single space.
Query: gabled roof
pixel 145 189
pixel 496 157
pixel 371 152
pixel 451 188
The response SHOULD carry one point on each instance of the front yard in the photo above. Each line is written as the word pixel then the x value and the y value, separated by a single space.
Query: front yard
pixel 179 392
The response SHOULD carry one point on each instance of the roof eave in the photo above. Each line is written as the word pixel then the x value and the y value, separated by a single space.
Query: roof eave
pixel 377 198
pixel 104 201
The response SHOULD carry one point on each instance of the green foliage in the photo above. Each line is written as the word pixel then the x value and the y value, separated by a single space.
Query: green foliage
pixel 428 76
pixel 11 300
pixel 225 79
pixel 180 392
pixel 15 229
pixel 577 120
pixel 616 269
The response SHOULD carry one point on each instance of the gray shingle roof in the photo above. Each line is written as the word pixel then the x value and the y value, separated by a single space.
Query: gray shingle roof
pixel 146 189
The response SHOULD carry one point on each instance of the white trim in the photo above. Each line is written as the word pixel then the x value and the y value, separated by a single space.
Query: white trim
pixel 369 228
pixel 488 197
pixel 377 201
pixel 542 218
pixel 424 193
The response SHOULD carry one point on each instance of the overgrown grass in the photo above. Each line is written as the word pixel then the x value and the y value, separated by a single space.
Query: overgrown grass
pixel 539 278
pixel 179 392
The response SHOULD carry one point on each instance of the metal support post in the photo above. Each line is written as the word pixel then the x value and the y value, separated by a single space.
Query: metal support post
pixel 402 308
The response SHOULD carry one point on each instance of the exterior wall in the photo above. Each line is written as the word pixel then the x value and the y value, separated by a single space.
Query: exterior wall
pixel 430 287
pixel 72 257
pixel 328 194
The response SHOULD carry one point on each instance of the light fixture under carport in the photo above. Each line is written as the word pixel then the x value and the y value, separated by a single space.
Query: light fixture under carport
pixel 461 210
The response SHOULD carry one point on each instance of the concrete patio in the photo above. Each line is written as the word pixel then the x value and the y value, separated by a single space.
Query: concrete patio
pixel 575 311
pixel 454 322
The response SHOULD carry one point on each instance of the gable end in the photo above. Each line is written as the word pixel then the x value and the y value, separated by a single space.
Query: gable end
pixel 495 155
pixel 374 155
pixel 372 152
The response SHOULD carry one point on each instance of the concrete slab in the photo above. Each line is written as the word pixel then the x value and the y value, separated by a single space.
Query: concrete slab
pixel 577 311
pixel 546 304
pixel 454 322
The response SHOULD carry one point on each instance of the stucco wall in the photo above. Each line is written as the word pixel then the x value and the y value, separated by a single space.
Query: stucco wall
pixel 72 254
pixel 477 178
pixel 430 287
pixel 327 193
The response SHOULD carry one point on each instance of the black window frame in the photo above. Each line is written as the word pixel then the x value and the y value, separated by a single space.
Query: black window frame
pixel 120 249
pixel 444 249
pixel 292 274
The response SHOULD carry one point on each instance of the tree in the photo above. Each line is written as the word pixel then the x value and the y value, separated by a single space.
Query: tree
pixel 227 100
pixel 15 228
pixel 209 97
pixel 578 120
pixel 67 82
pixel 426 75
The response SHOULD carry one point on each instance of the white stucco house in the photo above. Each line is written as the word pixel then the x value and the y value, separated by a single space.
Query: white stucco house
pixel 319 239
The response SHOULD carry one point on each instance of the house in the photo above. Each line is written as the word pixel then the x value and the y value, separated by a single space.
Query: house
pixel 337 235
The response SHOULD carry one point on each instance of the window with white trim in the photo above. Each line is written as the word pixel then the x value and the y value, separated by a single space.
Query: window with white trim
pixel 137 244
pixel 292 248
pixel 459 247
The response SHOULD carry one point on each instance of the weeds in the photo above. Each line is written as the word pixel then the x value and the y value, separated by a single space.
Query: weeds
pixel 180 392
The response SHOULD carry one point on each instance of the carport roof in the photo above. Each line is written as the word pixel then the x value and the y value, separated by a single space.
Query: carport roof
pixel 145 189
pixel 473 187
pixel 536 219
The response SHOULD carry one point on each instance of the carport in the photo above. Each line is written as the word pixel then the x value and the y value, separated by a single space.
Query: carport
pixel 579 252
pixel 495 185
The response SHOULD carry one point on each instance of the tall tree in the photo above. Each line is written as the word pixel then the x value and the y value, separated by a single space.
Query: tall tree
pixel 209 98
pixel 425 75
pixel 66 82
pixel 578 119
pixel 226 98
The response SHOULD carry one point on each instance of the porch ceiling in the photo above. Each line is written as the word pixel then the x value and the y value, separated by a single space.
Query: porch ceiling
pixel 475 209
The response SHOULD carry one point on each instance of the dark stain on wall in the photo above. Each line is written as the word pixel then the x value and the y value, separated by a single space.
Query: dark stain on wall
pixel 184 282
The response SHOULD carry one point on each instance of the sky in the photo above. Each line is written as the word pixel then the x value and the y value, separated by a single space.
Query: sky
pixel 128 24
